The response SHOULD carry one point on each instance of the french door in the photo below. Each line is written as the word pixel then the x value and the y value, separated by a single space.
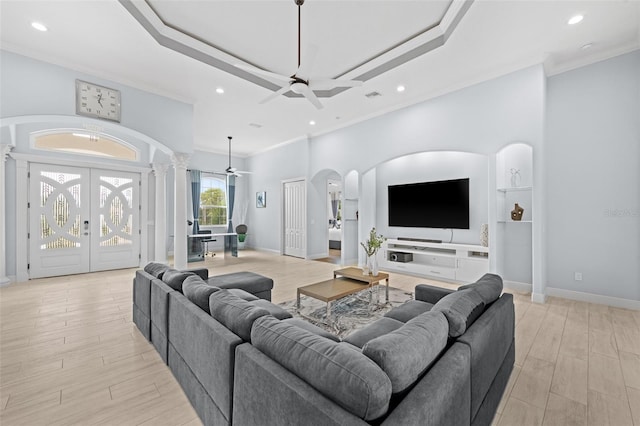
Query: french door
pixel 295 215
pixel 82 220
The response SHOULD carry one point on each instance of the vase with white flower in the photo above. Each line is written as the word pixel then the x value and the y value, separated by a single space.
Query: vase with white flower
pixel 371 247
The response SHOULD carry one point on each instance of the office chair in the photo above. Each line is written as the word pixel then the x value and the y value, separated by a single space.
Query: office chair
pixel 206 241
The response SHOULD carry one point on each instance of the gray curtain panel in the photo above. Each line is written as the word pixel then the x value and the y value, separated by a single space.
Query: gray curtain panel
pixel 231 241
pixel 195 198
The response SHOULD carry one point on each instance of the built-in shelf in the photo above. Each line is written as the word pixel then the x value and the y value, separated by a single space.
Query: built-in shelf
pixel 515 189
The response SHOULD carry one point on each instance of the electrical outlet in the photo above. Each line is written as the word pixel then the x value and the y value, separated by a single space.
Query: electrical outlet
pixel 577 276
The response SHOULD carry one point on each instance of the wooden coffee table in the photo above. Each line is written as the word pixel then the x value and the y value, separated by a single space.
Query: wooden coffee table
pixel 351 281
pixel 356 274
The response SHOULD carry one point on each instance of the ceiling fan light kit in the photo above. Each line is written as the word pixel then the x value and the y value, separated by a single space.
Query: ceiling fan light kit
pixel 300 83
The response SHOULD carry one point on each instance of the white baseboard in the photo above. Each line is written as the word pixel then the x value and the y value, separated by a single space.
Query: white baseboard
pixel 518 286
pixel 539 298
pixel 594 298
pixel 265 249
pixel 5 281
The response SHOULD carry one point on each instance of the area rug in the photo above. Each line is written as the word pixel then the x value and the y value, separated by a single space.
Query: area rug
pixel 348 314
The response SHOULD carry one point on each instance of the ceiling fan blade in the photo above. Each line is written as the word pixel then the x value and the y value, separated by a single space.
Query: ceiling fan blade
pixel 257 71
pixel 308 93
pixel 307 65
pixel 275 94
pixel 329 83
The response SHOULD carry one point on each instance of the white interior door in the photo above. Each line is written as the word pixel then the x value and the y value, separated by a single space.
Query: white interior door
pixel 295 214
pixel 82 220
pixel 115 229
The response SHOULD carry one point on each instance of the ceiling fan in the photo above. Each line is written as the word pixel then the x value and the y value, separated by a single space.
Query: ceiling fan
pixel 299 82
pixel 232 171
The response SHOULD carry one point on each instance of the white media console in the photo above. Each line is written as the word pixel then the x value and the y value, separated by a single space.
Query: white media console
pixel 451 262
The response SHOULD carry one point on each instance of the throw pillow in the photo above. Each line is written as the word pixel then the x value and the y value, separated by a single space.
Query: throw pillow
pixel 174 279
pixel 156 269
pixel 343 375
pixel 234 313
pixel 461 308
pixel 198 292
pixel 406 353
pixel 489 287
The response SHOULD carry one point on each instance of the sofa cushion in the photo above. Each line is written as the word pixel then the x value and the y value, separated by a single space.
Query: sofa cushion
pixel 406 353
pixel 174 278
pixel 409 310
pixel 274 310
pixel 312 328
pixel 156 269
pixel 247 281
pixel 242 294
pixel 375 329
pixel 461 308
pixel 343 375
pixel 489 287
pixel 198 292
pixel 234 313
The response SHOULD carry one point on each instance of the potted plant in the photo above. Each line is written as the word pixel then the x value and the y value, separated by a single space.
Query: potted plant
pixel 371 247
pixel 241 230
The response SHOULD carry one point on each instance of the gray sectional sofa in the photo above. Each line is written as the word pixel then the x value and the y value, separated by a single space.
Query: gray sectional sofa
pixel 442 359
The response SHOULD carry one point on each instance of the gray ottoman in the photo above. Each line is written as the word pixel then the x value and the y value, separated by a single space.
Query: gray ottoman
pixel 258 285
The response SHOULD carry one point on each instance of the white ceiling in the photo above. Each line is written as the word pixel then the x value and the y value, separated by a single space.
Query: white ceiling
pixel 493 38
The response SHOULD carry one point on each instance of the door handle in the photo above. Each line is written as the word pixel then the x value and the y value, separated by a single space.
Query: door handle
pixel 86 227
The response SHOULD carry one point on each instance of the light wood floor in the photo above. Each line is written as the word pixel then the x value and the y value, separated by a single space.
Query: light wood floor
pixel 69 353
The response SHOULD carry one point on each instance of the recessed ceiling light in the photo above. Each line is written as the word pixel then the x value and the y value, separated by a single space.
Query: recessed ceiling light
pixel 220 90
pixel 313 123
pixel 38 26
pixel 400 88
pixel 587 46
pixel 575 19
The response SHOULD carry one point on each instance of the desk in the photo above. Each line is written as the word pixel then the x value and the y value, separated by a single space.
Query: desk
pixel 195 250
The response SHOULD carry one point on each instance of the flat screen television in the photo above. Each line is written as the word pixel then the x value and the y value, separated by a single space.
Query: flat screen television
pixel 438 204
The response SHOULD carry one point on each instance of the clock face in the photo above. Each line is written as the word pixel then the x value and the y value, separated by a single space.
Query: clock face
pixel 97 101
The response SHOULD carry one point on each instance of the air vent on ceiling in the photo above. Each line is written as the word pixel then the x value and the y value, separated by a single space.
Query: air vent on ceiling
pixel 256 125
pixel 373 94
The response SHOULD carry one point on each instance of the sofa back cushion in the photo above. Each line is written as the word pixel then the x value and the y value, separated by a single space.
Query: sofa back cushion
pixel 234 313
pixel 406 353
pixel 198 291
pixel 156 269
pixel 461 308
pixel 343 375
pixel 489 287
pixel 174 278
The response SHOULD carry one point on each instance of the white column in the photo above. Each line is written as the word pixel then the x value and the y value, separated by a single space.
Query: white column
pixel 160 251
pixel 180 162
pixel 4 152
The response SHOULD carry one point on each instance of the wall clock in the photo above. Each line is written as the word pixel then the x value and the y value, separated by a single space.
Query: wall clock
pixel 97 101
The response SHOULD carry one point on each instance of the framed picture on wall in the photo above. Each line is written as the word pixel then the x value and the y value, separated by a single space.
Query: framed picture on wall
pixel 261 199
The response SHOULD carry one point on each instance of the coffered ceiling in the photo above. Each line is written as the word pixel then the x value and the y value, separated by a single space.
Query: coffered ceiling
pixel 186 49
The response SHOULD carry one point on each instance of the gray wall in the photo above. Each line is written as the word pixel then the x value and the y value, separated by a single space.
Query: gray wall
pixel 592 167
pixel 269 169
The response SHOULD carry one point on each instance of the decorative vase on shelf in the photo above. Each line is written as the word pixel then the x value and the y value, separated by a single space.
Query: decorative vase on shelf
pixel 484 235
pixel 515 178
pixel 517 212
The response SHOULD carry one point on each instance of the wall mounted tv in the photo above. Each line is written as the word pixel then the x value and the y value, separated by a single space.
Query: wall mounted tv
pixel 439 204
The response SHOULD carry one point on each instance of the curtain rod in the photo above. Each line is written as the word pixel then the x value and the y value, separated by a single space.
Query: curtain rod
pixel 207 171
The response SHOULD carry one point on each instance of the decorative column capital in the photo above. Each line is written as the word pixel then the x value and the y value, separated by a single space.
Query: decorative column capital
pixel 180 160
pixel 5 149
pixel 159 169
